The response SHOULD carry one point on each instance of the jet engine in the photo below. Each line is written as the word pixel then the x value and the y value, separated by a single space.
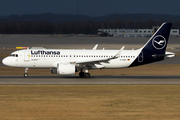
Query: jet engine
pixel 66 68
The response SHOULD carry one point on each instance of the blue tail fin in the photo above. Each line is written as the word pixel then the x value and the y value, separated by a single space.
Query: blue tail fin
pixel 158 42
pixel 154 50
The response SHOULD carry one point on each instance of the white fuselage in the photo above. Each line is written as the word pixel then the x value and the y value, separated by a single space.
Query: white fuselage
pixel 48 58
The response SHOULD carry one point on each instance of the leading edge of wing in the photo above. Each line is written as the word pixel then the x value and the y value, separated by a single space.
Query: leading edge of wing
pixel 101 60
pixel 92 61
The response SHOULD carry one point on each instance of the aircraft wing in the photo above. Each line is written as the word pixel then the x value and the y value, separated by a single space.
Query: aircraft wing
pixel 92 61
pixel 101 60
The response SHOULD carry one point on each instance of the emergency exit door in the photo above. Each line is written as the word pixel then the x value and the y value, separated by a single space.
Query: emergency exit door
pixel 26 56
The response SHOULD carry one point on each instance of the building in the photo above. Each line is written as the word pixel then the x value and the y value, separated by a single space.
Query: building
pixel 135 32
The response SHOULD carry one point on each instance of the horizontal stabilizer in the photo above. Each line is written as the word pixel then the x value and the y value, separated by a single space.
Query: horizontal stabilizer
pixel 168 55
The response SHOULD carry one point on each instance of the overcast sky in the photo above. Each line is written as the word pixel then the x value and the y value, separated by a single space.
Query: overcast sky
pixel 89 7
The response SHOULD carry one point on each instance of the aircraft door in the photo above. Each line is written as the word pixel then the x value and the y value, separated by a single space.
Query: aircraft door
pixel 140 57
pixel 26 56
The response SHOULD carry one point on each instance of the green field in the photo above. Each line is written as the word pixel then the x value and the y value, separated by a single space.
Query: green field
pixel 90 102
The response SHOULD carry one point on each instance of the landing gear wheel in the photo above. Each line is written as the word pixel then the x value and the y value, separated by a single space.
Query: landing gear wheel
pixel 25 75
pixel 26 72
pixel 87 75
pixel 81 74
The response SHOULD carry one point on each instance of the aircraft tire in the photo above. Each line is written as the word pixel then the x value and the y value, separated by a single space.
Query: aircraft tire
pixel 81 74
pixel 25 75
pixel 87 75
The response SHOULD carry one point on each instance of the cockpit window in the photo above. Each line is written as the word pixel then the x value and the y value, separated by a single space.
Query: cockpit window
pixel 13 55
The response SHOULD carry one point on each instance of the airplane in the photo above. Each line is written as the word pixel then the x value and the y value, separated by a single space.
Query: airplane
pixel 69 61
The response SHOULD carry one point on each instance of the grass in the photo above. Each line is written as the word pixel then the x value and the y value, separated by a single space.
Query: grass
pixel 160 69
pixel 92 102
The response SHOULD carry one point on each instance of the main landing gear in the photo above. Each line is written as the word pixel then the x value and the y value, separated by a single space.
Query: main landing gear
pixel 86 74
pixel 26 72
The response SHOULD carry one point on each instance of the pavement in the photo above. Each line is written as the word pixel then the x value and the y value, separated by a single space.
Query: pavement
pixel 94 80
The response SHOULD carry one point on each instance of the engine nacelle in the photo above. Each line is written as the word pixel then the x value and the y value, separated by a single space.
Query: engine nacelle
pixel 66 68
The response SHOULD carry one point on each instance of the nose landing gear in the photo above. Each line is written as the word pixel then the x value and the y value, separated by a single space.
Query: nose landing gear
pixel 26 72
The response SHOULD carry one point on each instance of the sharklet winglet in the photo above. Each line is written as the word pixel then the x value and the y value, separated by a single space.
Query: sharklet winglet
pixel 119 53
pixel 95 47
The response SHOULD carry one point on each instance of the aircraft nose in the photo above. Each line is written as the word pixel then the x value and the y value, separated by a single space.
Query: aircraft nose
pixel 5 61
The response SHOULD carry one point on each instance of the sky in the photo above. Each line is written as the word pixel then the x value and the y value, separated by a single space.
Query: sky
pixel 89 7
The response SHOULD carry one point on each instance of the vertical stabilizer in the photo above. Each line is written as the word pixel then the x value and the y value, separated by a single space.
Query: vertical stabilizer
pixel 158 42
pixel 155 49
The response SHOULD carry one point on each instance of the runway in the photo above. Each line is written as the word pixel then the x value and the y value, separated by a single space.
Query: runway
pixel 94 80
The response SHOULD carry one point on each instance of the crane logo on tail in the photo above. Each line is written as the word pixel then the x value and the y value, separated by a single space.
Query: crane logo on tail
pixel 159 42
